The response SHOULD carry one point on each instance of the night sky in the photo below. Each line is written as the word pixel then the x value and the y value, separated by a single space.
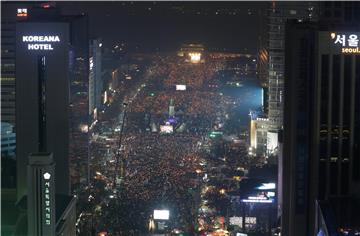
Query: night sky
pixel 165 25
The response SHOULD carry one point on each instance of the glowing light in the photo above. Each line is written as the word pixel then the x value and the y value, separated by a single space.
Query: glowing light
pixel 36 42
pixel 266 186
pixel 84 128
pixel 21 12
pixel 332 35
pixel 47 175
pixel 161 214
pixel 45 38
pixel 105 97
pixel 195 57
pixel 180 87
pixel 258 200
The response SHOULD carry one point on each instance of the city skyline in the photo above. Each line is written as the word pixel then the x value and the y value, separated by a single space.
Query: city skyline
pixel 180 118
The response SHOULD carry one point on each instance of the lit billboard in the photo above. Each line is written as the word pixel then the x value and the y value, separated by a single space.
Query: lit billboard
pixel 180 87
pixel 349 42
pixel 161 214
pixel 339 42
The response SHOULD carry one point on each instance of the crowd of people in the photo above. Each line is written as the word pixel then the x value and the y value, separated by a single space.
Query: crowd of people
pixel 173 71
pixel 162 170
pixel 186 102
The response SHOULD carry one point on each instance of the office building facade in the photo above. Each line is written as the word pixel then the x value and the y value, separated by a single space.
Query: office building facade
pixel 95 75
pixel 8 70
pixel 79 99
pixel 42 60
pixel 279 13
pixel 322 120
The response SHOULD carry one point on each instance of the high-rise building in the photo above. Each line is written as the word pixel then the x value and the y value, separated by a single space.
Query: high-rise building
pixel 321 145
pixel 10 14
pixel 8 71
pixel 42 68
pixel 95 75
pixel 258 135
pixel 79 99
pixel 45 67
pixel 15 12
pixel 279 13
pixel 263 55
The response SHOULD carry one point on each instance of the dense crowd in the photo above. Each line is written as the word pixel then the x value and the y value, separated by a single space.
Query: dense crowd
pixel 174 71
pixel 186 102
pixel 161 170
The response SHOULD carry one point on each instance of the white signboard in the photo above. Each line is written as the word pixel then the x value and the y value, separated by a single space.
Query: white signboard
pixel 180 87
pixel 161 214
pixel 349 42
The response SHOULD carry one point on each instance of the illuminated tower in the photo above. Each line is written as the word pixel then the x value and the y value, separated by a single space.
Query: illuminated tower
pixel 41 195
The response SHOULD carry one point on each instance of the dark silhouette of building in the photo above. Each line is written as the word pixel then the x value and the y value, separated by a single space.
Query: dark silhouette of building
pixel 321 159
pixel 48 47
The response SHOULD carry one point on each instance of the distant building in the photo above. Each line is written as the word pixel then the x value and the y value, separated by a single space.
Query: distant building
pixel 263 55
pixel 193 53
pixel 258 135
pixel 7 69
pixel 9 16
pixel 8 140
pixel 78 99
pixel 95 75
pixel 16 12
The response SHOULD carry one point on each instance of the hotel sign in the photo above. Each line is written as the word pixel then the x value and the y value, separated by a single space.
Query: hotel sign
pixel 40 42
pixel 349 43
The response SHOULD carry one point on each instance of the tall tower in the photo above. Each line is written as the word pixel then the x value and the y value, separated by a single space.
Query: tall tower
pixel 41 195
